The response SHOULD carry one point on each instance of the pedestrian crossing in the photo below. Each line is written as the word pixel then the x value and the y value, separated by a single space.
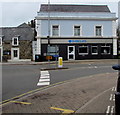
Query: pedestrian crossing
pixel 44 78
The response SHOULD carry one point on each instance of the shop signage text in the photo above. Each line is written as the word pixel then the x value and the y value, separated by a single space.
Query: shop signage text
pixel 77 41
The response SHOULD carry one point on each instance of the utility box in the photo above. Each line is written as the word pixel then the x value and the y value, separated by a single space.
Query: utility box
pixel 38 58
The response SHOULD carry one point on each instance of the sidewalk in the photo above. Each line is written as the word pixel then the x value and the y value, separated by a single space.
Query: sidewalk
pixel 65 97
pixel 115 61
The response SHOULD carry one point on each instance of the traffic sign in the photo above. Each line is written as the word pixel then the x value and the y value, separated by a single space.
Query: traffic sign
pixel 55 55
pixel 48 57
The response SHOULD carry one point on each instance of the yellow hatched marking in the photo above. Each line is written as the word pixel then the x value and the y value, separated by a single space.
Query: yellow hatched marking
pixel 26 103
pixel 65 111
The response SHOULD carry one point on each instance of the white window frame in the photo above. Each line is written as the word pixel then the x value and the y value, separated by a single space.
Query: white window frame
pixel 0 41
pixel 58 31
pixel 101 31
pixel 80 31
pixel 83 53
pixel 109 50
pixel 13 41
pixel 97 49
pixel 72 53
pixel 12 54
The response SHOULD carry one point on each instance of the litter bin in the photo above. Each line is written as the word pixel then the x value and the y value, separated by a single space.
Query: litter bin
pixel 38 58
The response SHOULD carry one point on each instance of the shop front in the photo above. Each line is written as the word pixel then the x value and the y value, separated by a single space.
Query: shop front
pixel 77 49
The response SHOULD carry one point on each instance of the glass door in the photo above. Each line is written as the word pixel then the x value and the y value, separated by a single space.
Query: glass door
pixel 71 52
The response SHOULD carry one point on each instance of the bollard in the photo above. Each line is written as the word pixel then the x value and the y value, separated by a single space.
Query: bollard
pixel 60 62
pixel 117 103
pixel 117 94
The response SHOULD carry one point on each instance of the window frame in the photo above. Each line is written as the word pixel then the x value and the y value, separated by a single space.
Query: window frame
pixel 13 41
pixel 97 50
pixel 109 50
pixel 58 31
pixel 83 53
pixel 74 31
pixel 1 41
pixel 101 31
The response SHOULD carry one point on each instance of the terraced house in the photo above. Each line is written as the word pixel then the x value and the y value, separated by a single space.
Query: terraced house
pixel 78 31
pixel 16 43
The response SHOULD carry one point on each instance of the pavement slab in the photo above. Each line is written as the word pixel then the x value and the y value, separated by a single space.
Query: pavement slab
pixel 71 95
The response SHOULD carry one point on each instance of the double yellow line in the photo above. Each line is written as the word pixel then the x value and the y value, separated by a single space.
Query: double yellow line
pixel 30 92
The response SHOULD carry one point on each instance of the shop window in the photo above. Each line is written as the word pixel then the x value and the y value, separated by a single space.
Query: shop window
pixel 98 30
pixel 105 49
pixel 83 50
pixel 15 41
pixel 76 30
pixel 55 30
pixel 94 50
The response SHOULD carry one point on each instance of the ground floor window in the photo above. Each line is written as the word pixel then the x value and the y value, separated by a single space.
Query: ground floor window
pixel 94 50
pixel 83 50
pixel 105 49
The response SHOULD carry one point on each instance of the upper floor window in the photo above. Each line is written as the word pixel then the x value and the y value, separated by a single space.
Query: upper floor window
pixel 0 41
pixel 15 41
pixel 55 30
pixel 76 30
pixel 98 30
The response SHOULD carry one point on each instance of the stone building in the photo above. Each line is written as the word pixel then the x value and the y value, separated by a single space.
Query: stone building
pixel 16 43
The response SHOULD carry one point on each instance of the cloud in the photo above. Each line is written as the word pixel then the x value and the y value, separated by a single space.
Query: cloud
pixel 15 13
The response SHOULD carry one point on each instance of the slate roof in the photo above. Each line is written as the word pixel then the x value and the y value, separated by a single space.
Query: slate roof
pixel 22 31
pixel 74 8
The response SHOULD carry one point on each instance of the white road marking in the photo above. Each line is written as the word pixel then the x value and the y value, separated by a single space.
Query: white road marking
pixel 111 96
pixel 112 110
pixel 114 97
pixel 96 67
pixel 114 89
pixel 44 78
pixel 43 83
pixel 108 110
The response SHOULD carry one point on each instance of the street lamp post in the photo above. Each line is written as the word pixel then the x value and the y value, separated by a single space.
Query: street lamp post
pixel 48 37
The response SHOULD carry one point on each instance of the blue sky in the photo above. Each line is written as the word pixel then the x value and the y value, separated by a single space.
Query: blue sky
pixel 13 12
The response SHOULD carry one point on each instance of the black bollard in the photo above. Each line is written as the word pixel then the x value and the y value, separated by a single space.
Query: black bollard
pixel 117 103
pixel 117 94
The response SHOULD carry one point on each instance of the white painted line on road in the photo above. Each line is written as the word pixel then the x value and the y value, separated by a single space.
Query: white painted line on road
pixel 45 73
pixel 43 83
pixel 113 88
pixel 42 77
pixel 114 97
pixel 108 110
pixel 111 96
pixel 112 110
pixel 44 80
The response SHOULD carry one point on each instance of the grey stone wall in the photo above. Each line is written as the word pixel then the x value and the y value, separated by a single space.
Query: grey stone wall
pixel 25 48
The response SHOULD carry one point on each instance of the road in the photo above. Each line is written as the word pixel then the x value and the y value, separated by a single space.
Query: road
pixel 19 79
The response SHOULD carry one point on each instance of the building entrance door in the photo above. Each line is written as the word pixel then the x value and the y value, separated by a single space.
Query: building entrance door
pixel 71 52
pixel 15 54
